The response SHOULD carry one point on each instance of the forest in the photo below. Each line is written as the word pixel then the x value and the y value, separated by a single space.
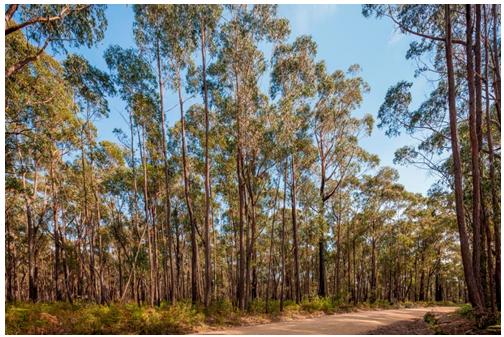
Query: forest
pixel 258 199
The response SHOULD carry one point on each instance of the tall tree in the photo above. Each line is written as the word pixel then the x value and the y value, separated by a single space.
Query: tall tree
pixel 337 135
pixel 293 76
pixel 90 86
pixel 235 74
pixel 150 33
pixel 206 19
pixel 464 241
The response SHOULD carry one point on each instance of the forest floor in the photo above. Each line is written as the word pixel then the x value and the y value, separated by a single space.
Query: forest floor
pixel 361 322
pixel 318 316
pixel 437 323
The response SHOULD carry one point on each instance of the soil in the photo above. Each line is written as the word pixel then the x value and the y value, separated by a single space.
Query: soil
pixel 446 324
pixel 361 322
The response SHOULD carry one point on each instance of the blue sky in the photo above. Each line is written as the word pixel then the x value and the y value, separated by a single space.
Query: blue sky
pixel 344 37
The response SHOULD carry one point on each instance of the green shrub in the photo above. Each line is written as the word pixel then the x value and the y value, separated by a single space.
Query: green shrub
pixel 290 305
pixel 220 307
pixel 87 318
pixel 382 304
pixel 429 318
pixel 257 306
pixel 325 304
pixel 409 304
pixel 273 307
pixel 466 311
pixel 486 320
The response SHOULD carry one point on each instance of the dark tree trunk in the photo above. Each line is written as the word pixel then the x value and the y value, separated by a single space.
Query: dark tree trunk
pixel 495 203
pixel 457 162
pixel 474 156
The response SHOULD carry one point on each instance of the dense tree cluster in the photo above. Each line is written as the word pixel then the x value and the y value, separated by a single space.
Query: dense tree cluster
pixel 458 126
pixel 250 195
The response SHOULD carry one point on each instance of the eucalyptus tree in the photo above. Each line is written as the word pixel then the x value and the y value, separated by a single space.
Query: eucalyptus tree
pixel 90 86
pixel 337 135
pixel 135 84
pixel 206 19
pixel 57 25
pixel 40 129
pixel 116 186
pixel 75 219
pixel 471 281
pixel 490 142
pixel 151 35
pixel 452 37
pixel 235 77
pixel 293 76
pixel 62 137
pixel 377 196
pixel 145 113
pixel 179 46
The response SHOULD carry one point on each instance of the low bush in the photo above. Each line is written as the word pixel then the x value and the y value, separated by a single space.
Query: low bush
pixel 85 318
pixel 257 306
pixel 466 311
pixel 327 305
pixel 408 304
pixel 89 318
pixel 429 318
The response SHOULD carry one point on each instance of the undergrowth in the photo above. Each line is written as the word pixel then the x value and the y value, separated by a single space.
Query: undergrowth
pixel 483 320
pixel 184 317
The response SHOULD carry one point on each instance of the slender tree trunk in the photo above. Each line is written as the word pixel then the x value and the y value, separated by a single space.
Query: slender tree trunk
pixel 373 266
pixel 489 263
pixel 474 156
pixel 208 262
pixel 457 162
pixel 10 261
pixel 495 203
pixel 147 216
pixel 496 63
pixel 282 290
pixel 478 78
pixel 294 233
pixel 57 248
pixel 241 276
pixel 270 260
pixel 187 190
pixel 173 284
pixel 247 240
pixel 65 260
pixel 338 251
pixel 88 224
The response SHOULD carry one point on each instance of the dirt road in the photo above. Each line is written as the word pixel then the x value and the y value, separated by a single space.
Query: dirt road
pixel 340 324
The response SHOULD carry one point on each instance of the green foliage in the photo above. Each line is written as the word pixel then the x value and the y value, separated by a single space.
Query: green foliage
pixel 183 317
pixel 482 320
pixel 487 320
pixel 327 305
pixel 382 304
pixel 258 305
pixel 221 307
pixel 85 318
pixel 429 318
pixel 466 311
pixel 77 25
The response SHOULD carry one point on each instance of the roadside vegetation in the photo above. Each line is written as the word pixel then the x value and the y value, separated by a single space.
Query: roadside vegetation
pixel 90 318
pixel 465 321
